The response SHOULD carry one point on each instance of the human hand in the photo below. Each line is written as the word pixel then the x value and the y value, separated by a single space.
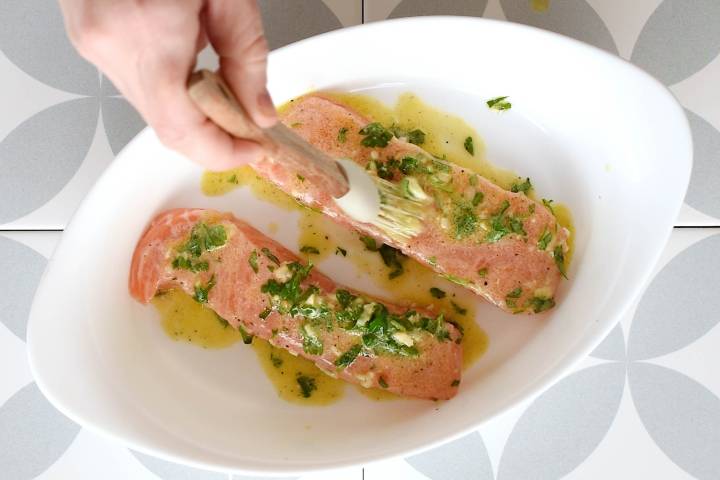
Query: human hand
pixel 149 48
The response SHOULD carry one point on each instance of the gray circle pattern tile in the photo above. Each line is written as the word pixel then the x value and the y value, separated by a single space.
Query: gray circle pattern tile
pixel 20 270
pixel 612 347
pixel 681 303
pixel 33 37
pixel 121 121
pixel 40 156
pixel 704 191
pixel 573 18
pixel 563 426
pixel 681 415
pixel 464 459
pixel 34 434
pixel 175 471
pixel 415 8
pixel 295 20
pixel 679 38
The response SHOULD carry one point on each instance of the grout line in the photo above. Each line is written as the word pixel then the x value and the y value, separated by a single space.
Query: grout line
pixel 362 11
pixel 363 473
pixel 21 230
pixel 696 226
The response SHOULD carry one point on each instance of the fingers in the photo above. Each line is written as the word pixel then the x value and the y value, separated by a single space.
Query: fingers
pixel 235 30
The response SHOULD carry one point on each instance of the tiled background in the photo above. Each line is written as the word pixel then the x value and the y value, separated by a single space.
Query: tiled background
pixel 643 405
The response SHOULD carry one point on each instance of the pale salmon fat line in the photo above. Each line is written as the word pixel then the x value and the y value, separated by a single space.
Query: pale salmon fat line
pixel 502 245
pixel 263 289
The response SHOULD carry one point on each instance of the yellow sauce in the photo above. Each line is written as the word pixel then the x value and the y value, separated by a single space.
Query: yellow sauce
pixel 444 136
pixel 283 370
pixel 540 5
pixel 185 319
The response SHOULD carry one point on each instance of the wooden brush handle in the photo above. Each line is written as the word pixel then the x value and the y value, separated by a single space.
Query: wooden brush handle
pixel 283 147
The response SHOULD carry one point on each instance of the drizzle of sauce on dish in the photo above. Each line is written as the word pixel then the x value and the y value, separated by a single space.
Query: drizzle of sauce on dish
pixel 185 319
pixel 296 379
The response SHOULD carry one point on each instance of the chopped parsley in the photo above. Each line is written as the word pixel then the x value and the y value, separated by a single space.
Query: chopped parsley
pixel 559 257
pixel 416 137
pixel 253 261
pixel 340 251
pixel 247 338
pixel 466 221
pixel 382 382
pixel 499 103
pixel 265 313
pixel 455 383
pixel 344 298
pixel 432 260
pixel 544 240
pixel 437 293
pixel 502 224
pixel 458 309
pixel 202 291
pixel 523 187
pixel 342 135
pixel 295 124
pixel 540 304
pixel 222 321
pixel 409 165
pixel 348 357
pixel 266 251
pixel 312 344
pixel 370 243
pixel 483 272
pixel 386 170
pixel 469 146
pixel 184 263
pixel 473 179
pixel 511 298
pixel 300 177
pixel 548 204
pixel 375 135
pixel 310 250
pixel 392 258
pixel 276 361
pixel 478 198
pixel 307 385
pixel 233 179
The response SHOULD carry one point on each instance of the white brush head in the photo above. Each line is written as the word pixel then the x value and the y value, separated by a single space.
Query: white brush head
pixel 373 200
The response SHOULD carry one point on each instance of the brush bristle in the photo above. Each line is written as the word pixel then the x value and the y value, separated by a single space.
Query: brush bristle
pixel 400 217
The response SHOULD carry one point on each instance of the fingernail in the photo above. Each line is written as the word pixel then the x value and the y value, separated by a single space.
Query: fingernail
pixel 265 104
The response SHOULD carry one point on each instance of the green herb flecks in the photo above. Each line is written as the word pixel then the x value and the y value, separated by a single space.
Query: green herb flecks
pixel 184 263
pixel 266 251
pixel 375 135
pixel 511 298
pixel 307 385
pixel 458 309
pixel 276 361
pixel 499 103
pixel 502 224
pixel 386 170
pixel 204 238
pixel 382 382
pixel 478 198
pixel 469 147
pixel 559 256
pixel 482 272
pixel 437 293
pixel 253 261
pixel 523 187
pixel 544 240
pixel 342 135
pixel 312 344
pixel 233 179
pixel 348 357
pixel 392 258
pixel 300 177
pixel 247 338
pixel 548 204
pixel 369 242
pixel 202 291
pixel 465 220
pixel 455 383
pixel 540 304
pixel 310 250
pixel 340 251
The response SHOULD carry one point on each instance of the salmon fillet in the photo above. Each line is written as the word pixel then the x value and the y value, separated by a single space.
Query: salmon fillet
pixel 502 245
pixel 257 285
